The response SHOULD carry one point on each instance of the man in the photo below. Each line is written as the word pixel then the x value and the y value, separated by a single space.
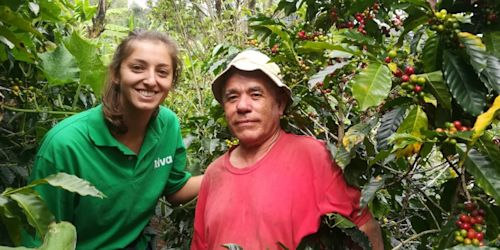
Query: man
pixel 273 187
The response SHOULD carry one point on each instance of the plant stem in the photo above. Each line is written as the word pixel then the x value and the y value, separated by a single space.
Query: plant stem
pixel 415 236
pixel 75 98
pixel 38 111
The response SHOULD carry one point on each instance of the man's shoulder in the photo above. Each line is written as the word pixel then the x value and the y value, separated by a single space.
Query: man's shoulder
pixel 216 165
pixel 303 141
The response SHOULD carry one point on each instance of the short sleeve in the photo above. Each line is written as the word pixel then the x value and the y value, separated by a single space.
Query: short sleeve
pixel 178 175
pixel 337 196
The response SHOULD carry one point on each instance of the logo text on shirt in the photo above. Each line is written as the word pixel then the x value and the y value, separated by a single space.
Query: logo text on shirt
pixel 160 162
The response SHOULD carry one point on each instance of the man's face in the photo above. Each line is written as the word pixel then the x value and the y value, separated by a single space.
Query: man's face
pixel 251 107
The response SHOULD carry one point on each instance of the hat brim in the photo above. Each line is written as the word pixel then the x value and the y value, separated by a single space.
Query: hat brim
pixel 218 82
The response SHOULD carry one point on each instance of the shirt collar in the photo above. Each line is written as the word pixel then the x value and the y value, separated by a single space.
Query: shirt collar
pixel 100 134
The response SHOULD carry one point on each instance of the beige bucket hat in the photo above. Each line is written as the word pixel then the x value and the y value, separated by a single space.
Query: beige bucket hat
pixel 250 60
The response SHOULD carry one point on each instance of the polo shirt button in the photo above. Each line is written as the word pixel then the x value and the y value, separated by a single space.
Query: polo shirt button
pixel 130 158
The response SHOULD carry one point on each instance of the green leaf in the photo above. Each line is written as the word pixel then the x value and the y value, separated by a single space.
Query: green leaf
pixel 471 247
pixel 487 147
pixel 285 37
pixel 17 248
pixel 463 84
pixel 10 39
pixel 493 221
pixel 389 124
pixel 51 66
pixel 71 183
pixel 493 73
pixel 402 140
pixel 60 236
pixel 320 47
pixel 414 21
pixel 289 6
pixel 357 37
pixel 9 215
pixel 475 49
pixel 92 70
pixel 436 85
pixel 358 237
pixel 372 85
pixel 432 54
pixel 54 11
pixel 356 134
pixel 34 209
pixel 428 98
pixel 340 154
pixel 320 76
pixel 485 172
pixel 370 190
pixel 492 42
pixel 448 193
pixel 414 122
pixel 337 220
pixel 10 17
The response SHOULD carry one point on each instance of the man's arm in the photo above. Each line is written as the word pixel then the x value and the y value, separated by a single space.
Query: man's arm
pixel 187 192
pixel 372 230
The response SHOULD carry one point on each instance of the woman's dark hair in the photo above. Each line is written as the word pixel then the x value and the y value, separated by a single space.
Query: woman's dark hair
pixel 111 100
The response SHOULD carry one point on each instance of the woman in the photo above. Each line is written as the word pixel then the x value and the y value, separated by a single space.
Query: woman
pixel 130 147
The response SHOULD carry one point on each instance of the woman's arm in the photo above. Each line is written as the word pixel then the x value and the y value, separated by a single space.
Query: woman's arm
pixel 187 192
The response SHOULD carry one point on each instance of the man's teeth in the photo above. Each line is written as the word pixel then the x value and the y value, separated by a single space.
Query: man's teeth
pixel 147 93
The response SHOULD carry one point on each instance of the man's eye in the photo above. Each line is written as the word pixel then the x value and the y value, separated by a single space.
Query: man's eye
pixel 256 94
pixel 231 97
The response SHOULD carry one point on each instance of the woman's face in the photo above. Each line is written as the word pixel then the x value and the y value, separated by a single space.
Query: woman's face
pixel 146 76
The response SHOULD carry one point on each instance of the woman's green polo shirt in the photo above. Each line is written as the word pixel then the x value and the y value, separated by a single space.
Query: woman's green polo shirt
pixel 82 145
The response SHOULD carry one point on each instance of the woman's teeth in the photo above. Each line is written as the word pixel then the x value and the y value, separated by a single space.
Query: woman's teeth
pixel 146 93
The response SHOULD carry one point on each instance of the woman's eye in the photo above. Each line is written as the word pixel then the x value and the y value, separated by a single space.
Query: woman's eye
pixel 163 73
pixel 136 68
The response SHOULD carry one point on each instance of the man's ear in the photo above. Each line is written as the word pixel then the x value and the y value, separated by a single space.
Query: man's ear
pixel 282 103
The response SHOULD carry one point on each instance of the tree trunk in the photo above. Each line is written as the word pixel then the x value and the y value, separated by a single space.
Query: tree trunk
pixel 218 7
pixel 98 20
pixel 251 5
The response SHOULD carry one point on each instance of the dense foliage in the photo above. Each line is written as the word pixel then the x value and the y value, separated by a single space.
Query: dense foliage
pixel 405 92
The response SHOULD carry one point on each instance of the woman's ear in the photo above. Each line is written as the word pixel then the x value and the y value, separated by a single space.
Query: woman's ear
pixel 115 80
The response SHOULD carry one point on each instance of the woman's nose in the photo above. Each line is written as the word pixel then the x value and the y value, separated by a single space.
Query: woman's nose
pixel 150 77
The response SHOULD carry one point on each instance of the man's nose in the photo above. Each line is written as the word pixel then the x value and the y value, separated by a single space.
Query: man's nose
pixel 244 104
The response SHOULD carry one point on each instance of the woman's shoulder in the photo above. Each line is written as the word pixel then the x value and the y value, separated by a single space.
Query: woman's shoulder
pixel 70 129
pixel 166 115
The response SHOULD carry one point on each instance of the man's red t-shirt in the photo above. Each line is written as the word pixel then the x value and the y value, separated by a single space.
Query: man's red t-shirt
pixel 281 198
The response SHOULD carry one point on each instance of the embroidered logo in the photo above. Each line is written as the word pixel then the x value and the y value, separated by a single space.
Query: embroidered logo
pixel 160 162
